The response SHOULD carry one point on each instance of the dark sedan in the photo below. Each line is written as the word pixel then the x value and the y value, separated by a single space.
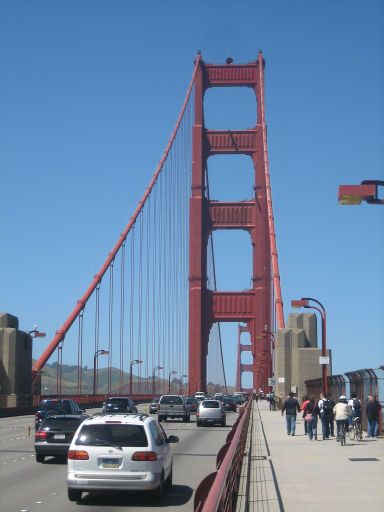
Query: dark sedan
pixel 154 405
pixel 193 403
pixel 55 435
pixel 228 404
pixel 118 405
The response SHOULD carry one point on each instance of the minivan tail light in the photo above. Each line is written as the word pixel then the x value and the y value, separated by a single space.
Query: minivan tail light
pixel 78 455
pixel 40 435
pixel 144 456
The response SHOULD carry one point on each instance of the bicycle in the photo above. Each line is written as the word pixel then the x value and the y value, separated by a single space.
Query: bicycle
pixel 356 432
pixel 342 434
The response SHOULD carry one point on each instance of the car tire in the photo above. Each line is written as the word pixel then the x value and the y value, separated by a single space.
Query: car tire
pixel 74 494
pixel 40 458
pixel 223 423
pixel 169 481
pixel 186 419
pixel 198 423
pixel 158 493
pixel 160 419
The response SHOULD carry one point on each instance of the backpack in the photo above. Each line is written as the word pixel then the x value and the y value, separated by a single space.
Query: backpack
pixel 327 407
pixel 356 406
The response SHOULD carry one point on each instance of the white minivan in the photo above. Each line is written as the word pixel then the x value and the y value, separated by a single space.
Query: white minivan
pixel 122 452
pixel 199 395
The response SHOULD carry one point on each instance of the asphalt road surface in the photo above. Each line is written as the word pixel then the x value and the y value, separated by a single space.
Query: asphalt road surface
pixel 28 486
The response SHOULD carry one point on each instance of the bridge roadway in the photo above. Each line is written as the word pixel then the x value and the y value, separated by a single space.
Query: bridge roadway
pixel 29 486
pixel 293 474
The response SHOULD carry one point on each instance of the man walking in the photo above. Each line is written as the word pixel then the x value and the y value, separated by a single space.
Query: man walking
pixel 373 410
pixel 291 407
pixel 326 411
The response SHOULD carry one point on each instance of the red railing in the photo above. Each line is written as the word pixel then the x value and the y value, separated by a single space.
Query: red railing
pixel 218 490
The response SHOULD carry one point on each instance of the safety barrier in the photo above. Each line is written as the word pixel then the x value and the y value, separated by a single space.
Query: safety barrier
pixel 218 491
pixel 362 382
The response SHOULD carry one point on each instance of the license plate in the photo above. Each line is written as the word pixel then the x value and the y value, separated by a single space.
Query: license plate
pixel 110 463
pixel 59 436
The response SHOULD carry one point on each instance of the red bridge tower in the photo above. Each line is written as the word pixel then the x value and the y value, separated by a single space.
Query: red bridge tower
pixel 252 307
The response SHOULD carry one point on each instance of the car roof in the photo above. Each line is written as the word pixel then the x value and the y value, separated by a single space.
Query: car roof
pixel 128 419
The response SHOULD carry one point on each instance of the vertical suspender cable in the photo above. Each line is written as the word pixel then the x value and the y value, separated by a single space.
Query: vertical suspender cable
pixel 122 304
pixel 110 327
pixel 272 234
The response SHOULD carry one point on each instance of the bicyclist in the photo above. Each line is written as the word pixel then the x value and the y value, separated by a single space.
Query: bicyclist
pixel 341 412
pixel 271 400
pixel 355 408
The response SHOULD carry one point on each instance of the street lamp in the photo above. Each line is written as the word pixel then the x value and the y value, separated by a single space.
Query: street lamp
pixel 135 361
pixel 304 303
pixel 172 372
pixel 153 377
pixel 36 334
pixel 273 343
pixel 186 376
pixel 95 356
pixel 355 194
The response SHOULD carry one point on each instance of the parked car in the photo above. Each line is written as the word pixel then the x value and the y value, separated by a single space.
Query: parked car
pixel 228 403
pixel 55 435
pixel 210 412
pixel 153 406
pixel 55 406
pixel 120 452
pixel 173 406
pixel 192 403
pixel 119 404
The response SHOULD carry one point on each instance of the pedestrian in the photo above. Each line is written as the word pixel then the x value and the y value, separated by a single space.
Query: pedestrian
pixel 291 407
pixel 355 408
pixel 326 411
pixel 373 410
pixel 331 417
pixel 341 412
pixel 302 408
pixel 311 416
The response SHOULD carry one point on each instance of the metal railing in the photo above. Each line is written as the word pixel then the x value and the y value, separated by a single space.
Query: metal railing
pixel 218 490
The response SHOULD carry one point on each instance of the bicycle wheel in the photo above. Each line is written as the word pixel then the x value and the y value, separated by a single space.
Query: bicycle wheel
pixel 352 432
pixel 359 432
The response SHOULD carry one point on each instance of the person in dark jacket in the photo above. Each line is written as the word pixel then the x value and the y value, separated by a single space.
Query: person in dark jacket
pixel 312 409
pixel 373 410
pixel 291 407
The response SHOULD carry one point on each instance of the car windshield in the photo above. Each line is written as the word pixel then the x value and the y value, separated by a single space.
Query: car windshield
pixel 112 435
pixel 210 404
pixel 172 399
pixel 63 423
pixel 155 401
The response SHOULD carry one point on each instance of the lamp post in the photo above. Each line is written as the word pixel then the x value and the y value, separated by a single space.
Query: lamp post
pixel 95 356
pixel 153 377
pixel 36 334
pixel 304 303
pixel 172 372
pixel 273 343
pixel 186 376
pixel 355 194
pixel 135 361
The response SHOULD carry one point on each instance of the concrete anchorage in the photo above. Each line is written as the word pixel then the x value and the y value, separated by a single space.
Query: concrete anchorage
pixel 297 355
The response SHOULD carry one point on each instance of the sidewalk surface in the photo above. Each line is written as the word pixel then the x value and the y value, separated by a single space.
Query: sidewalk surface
pixel 293 474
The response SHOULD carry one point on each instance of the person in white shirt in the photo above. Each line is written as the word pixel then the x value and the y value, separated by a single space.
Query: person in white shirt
pixel 341 412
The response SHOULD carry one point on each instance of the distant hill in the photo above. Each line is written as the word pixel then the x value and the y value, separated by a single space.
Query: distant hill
pixel 119 383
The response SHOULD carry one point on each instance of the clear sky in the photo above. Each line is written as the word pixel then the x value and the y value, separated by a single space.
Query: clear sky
pixel 89 94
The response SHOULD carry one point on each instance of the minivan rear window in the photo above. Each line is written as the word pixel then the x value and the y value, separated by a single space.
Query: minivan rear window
pixel 210 404
pixel 62 423
pixel 110 435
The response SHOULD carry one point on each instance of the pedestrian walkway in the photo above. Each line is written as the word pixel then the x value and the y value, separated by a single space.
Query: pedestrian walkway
pixel 293 474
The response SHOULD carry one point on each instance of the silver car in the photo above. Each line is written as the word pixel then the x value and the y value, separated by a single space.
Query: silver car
pixel 122 452
pixel 210 412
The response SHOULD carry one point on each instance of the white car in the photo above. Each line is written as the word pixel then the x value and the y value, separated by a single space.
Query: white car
pixel 123 452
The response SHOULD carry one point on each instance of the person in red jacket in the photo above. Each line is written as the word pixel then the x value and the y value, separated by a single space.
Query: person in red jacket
pixel 304 404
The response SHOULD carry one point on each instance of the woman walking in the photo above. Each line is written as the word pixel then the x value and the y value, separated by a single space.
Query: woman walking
pixel 311 416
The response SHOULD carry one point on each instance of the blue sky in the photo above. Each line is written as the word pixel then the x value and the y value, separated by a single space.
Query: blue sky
pixel 89 94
